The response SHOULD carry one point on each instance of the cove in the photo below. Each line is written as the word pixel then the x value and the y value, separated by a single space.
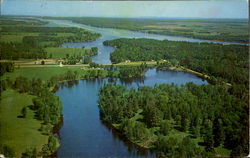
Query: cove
pixel 84 134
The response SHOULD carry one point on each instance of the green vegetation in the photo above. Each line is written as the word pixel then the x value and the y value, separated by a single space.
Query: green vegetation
pixel 185 121
pixel 211 29
pixel 167 118
pixel 11 20
pixel 44 73
pixel 227 63
pixel 34 116
pixel 126 72
pixel 16 132
pixel 6 67
pixel 219 132
pixel 28 38
pixel 62 52
pixel 16 51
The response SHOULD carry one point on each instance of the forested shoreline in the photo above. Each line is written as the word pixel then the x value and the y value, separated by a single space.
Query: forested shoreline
pixel 150 116
pixel 209 29
pixel 175 121
pixel 28 39
pixel 154 113
pixel 227 63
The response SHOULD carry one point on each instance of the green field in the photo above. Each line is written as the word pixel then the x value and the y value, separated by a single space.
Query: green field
pixel 18 36
pixel 61 52
pixel 11 38
pixel 19 133
pixel 45 73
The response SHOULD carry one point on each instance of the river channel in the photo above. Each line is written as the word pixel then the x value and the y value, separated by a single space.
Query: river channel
pixel 83 133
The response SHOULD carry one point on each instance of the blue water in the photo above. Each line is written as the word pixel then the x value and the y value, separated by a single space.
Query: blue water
pixel 83 133
pixel 111 33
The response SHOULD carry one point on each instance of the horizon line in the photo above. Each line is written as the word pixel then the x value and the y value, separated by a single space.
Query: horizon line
pixel 136 17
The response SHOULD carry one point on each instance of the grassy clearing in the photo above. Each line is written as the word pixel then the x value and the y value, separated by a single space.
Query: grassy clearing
pixel 19 133
pixel 61 52
pixel 136 63
pixel 15 37
pixel 11 38
pixel 64 34
pixel 45 73
pixel 222 152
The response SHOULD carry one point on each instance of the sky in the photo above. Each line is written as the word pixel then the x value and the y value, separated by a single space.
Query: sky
pixel 167 9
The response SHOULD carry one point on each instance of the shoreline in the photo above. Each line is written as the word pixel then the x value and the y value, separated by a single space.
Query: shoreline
pixel 205 40
pixel 124 138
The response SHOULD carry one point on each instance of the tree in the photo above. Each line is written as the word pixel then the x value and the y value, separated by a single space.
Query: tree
pixel 153 116
pixel 165 127
pixel 24 112
pixel 208 136
pixel 7 151
pixel 188 148
pixel 30 153
pixel 87 60
pixel 219 135
pixel 184 123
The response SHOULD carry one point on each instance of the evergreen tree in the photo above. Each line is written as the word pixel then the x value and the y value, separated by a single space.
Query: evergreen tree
pixel 218 131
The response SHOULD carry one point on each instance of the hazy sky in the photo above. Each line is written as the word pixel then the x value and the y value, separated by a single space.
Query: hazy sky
pixel 194 9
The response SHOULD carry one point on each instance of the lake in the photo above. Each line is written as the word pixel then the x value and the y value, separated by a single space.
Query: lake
pixel 83 133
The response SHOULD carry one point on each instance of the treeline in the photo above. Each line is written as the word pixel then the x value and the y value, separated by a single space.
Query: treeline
pixel 4 20
pixel 149 117
pixel 126 72
pixel 50 33
pixel 47 107
pixel 47 149
pixel 6 67
pixel 200 35
pixel 210 29
pixel 224 62
pixel 84 58
pixel 99 71
pixel 31 47
pixel 15 51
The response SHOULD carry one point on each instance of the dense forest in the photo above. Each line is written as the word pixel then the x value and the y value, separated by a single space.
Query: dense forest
pixel 224 62
pixel 150 116
pixel 15 51
pixel 6 67
pixel 217 115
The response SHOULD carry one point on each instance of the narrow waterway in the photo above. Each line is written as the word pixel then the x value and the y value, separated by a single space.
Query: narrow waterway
pixel 111 33
pixel 83 133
